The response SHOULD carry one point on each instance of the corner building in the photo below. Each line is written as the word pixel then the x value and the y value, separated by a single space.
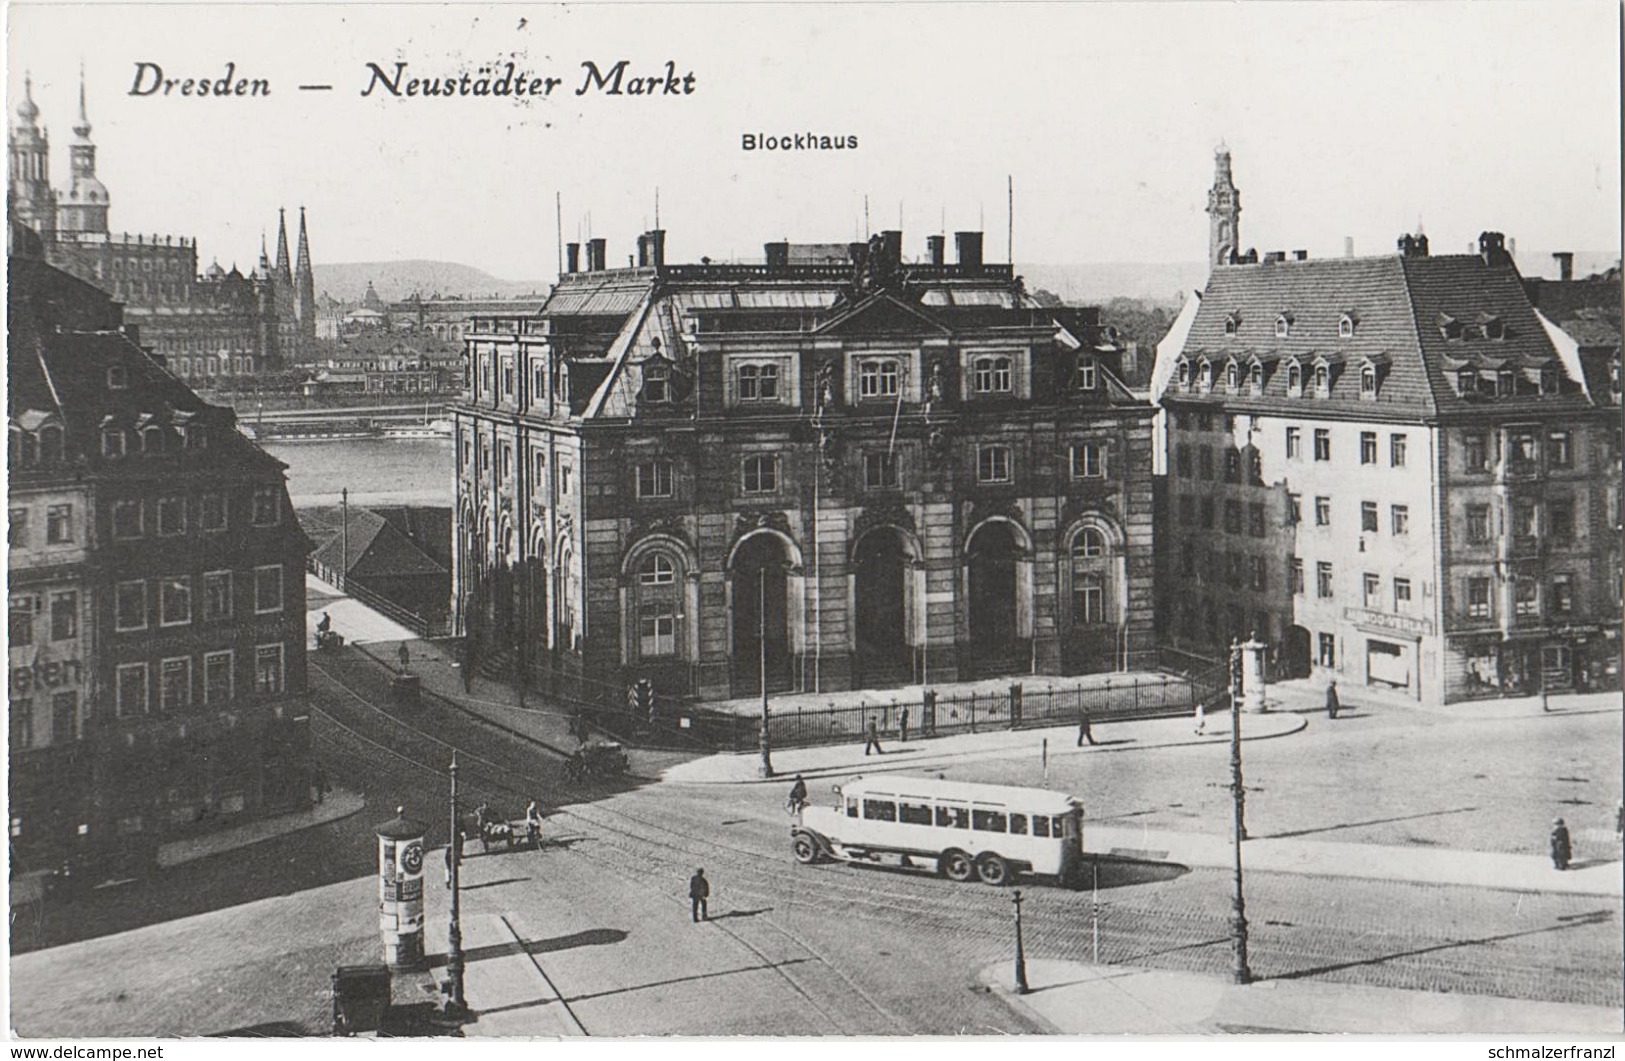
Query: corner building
pixel 1386 469
pixel 843 468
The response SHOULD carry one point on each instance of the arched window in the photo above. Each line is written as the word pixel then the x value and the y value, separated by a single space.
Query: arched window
pixel 1283 326
pixel 1345 327
pixel 1294 379
pixel 1232 324
pixel 1323 380
pixel 1232 377
pixel 656 613
pixel 1255 376
pixel 1368 381
pixel 657 570
pixel 1206 378
pixel 1094 601
pixel 1089 542
pixel 1184 373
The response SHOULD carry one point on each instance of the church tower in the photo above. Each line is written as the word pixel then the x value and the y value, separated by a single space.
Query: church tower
pixel 30 199
pixel 284 274
pixel 85 207
pixel 1224 211
pixel 304 282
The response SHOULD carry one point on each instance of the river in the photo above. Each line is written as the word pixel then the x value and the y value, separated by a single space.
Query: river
pixel 377 471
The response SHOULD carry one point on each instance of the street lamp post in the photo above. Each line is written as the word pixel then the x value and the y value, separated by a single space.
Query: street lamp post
pixel 455 1002
pixel 763 740
pixel 1238 922
pixel 1021 954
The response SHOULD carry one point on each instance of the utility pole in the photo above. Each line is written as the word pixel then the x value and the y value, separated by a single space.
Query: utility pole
pixel 1238 917
pixel 1021 954
pixel 763 741
pixel 455 1002
pixel 344 519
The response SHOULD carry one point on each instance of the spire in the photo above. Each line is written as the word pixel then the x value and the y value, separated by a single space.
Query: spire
pixel 304 282
pixel 302 266
pixel 82 129
pixel 26 110
pixel 283 272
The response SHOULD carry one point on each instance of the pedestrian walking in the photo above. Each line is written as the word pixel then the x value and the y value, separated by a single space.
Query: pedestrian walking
pixel 533 825
pixel 902 727
pixel 798 796
pixel 1084 732
pixel 874 739
pixel 1331 700
pixel 318 785
pixel 699 890
pixel 406 657
pixel 1562 849
pixel 1619 820
pixel 1201 718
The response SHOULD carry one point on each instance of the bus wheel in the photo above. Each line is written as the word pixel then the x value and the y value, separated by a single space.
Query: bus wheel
pixel 993 870
pixel 804 849
pixel 957 866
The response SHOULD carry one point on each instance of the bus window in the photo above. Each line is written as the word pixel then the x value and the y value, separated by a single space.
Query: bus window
pixel 851 808
pixel 953 817
pixel 1059 827
pixel 1018 824
pixel 914 813
pixel 880 810
pixel 987 821
pixel 1040 825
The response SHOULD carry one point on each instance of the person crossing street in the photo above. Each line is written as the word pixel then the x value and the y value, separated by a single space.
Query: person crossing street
pixel 699 890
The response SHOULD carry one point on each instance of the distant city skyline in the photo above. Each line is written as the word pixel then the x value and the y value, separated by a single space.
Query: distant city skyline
pixel 1345 120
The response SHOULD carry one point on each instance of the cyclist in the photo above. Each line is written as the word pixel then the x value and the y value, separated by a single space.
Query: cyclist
pixel 798 796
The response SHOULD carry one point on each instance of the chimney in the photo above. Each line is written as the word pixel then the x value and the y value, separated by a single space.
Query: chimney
pixel 935 247
pixel 1300 256
pixel 891 246
pixel 1275 256
pixel 652 249
pixel 1512 247
pixel 778 254
pixel 1492 248
pixel 1348 246
pixel 595 254
pixel 857 252
pixel 572 257
pixel 1413 246
pixel 969 246
pixel 1565 265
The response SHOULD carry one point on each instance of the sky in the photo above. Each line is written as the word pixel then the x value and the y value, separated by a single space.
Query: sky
pixel 1345 120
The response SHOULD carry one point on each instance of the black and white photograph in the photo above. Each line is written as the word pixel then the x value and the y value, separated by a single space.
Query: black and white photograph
pixel 815 521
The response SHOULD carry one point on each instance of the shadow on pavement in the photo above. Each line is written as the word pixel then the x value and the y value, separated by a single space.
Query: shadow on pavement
pixel 592 937
pixel 491 883
pixel 742 913
pixel 687 979
pixel 1360 824
pixel 1117 872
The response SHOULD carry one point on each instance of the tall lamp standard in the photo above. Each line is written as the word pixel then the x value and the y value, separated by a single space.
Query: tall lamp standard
pixel 455 1003
pixel 763 742
pixel 1238 917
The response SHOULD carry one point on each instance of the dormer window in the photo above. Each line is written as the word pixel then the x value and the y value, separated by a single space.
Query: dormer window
pixel 152 439
pixel 1449 327
pixel 1504 384
pixel 1548 380
pixel 1205 376
pixel 1294 379
pixel 1323 380
pixel 1086 373
pixel 1184 373
pixel 1255 377
pixel 657 382
pixel 1467 382
pixel 1494 328
pixel 1283 326
pixel 1345 326
pixel 117 378
pixel 113 442
pixel 1368 381
pixel 1232 377
pixel 1232 324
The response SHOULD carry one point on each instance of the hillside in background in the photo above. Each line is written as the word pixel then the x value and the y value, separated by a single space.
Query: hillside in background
pixel 1093 283
pixel 347 281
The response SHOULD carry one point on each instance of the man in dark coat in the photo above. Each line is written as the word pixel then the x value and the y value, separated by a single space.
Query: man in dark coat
pixel 699 890
pixel 798 795
pixel 1331 700
pixel 1562 850
pixel 874 739
pixel 1084 732
pixel 902 726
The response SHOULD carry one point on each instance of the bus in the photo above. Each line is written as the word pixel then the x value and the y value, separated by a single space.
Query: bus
pixel 965 830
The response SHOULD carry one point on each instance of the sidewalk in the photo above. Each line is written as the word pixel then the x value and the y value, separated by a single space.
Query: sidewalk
pixel 339 803
pixel 1080 999
pixel 1309 695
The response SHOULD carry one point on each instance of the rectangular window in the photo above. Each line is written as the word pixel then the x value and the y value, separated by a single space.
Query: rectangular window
pixel 213 513
pixel 64 717
pixel 175 684
pixel 654 479
pixel 1294 443
pixel 1396 451
pixel 1561 448
pixel 1232 517
pixel 564 480
pixel 1208 506
pixel 268 668
pixel 538 465
pixel 914 813
pixel 1478 598
pixel 216 595
pixel 1261 575
pixel 22 733
pixel 1088 604
pixel 1525 519
pixel 505 461
pixel 1294 509
pixel 58 524
pixel 127 519
pixel 1402 594
pixel 1372 591
pixel 993 464
pixel 657 629
pixel 1526 597
pixel 953 817
pixel 879 471
pixel 1088 460
pixel 1182 461
pixel 758 383
pixel 1294 572
pixel 1368 517
pixel 17 528
pixel 267 506
pixel 1523 448
pixel 130 606
pixel 1323 444
pixel 132 689
pixel 1562 596
pixel 1475 452
pixel 1368 447
pixel 879 810
pixel 64 615
pixel 20 627
pixel 761 475
pixel 1560 516
pixel 217 677
pixel 1086 374
pixel 1232 466
pixel 1323 579
pixel 877 379
pixel 171 516
pixel 1478 523
pixel 507 378
pixel 1206 463
pixel 988 821
pixel 1255 519
pixel 1041 825
pixel 991 375
pixel 267 589
pixel 1400 518
pixel 1323 512
pixel 1328 650
pixel 175 601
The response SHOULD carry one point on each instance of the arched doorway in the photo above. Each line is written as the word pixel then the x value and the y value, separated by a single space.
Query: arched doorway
pixel 1296 662
pixel 992 557
pixel 761 629
pixel 880 572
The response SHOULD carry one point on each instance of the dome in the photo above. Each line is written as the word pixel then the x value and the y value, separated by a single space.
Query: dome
pixel 214 272
pixel 87 190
